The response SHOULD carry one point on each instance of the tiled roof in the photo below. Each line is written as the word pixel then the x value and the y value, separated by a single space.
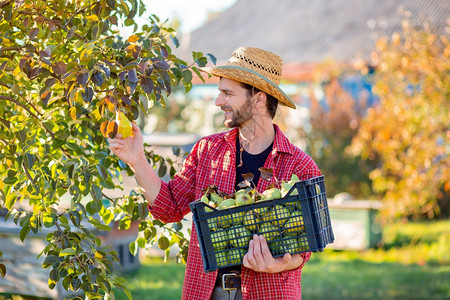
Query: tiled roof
pixel 309 31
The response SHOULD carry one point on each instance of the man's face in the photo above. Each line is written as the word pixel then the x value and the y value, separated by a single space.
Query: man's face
pixel 234 101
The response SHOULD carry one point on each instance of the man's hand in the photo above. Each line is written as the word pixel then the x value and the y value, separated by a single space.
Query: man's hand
pixel 259 258
pixel 129 150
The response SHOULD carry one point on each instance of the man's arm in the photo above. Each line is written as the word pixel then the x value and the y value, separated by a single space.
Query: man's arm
pixel 131 151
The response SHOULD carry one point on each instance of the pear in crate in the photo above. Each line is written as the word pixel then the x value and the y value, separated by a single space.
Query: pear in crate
pixel 269 194
pixel 278 215
pixel 239 236
pixel 216 199
pixel 252 220
pixel 295 223
pixel 269 231
pixel 227 203
pixel 243 199
pixel 234 256
pixel 219 240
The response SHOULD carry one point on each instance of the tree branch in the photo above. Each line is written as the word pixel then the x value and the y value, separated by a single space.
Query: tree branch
pixel 6 98
pixel 5 3
pixel 61 26
pixel 28 174
pixel 12 48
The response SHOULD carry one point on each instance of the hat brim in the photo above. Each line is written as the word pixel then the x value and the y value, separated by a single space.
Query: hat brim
pixel 252 78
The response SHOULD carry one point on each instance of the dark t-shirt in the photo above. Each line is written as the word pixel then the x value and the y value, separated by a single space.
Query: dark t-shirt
pixel 252 162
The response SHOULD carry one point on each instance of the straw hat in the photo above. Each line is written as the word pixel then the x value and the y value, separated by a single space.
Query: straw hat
pixel 256 67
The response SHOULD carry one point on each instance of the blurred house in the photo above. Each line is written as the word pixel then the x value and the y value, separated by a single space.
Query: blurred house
pixel 305 33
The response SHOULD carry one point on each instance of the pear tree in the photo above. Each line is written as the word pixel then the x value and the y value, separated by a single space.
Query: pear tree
pixel 68 80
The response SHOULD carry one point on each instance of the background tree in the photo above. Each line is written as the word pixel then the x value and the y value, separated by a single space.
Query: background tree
pixel 333 124
pixel 65 73
pixel 408 130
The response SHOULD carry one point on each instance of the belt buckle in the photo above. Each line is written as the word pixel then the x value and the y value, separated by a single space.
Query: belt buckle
pixel 231 281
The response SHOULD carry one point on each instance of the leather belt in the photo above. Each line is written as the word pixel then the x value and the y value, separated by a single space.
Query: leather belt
pixel 230 281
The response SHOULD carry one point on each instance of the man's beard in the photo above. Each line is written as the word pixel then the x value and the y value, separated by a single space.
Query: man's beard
pixel 240 116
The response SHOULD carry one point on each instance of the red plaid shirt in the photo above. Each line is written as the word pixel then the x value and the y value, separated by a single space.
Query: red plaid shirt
pixel 213 161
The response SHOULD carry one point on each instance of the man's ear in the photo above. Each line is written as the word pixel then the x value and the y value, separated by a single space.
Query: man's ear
pixel 261 97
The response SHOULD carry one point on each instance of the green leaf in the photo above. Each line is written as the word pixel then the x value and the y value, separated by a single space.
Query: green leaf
pixel 107 215
pixel 2 270
pixel 163 243
pixel 141 242
pixel 67 251
pixel 96 193
pixel 162 169
pixel 50 260
pixel 93 207
pixel 143 210
pixel 133 247
pixel 24 231
pixel 212 58
pixel 102 171
pixel 99 225
pixel 177 226
pixel 75 217
pixel 10 200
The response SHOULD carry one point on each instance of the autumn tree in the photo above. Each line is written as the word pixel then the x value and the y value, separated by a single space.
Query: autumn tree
pixel 408 130
pixel 334 121
pixel 65 73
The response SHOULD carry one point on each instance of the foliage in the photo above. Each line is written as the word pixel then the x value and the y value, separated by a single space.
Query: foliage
pixel 64 71
pixel 408 131
pixel 334 123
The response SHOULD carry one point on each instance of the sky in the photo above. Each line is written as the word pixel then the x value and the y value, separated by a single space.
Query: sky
pixel 192 13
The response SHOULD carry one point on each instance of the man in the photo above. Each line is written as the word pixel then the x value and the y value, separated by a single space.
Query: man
pixel 249 95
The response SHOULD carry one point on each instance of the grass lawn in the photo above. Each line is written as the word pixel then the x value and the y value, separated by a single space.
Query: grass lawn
pixel 413 264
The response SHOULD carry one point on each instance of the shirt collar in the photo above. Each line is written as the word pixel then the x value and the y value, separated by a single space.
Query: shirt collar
pixel 281 142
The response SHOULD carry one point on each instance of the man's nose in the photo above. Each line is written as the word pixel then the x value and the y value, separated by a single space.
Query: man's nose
pixel 219 101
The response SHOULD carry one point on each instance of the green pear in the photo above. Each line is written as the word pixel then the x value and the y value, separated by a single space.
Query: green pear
pixel 303 243
pixel 212 224
pixel 273 193
pixel 290 243
pixel 262 211
pixel 269 231
pixel 239 236
pixel 278 215
pixel 219 240
pixel 242 191
pixel 243 199
pixel 227 203
pixel 216 199
pixel 234 257
pixel 277 248
pixel 295 223
pixel 224 221
pixel 251 220
pixel 221 257
pixel 238 218
pixel 205 200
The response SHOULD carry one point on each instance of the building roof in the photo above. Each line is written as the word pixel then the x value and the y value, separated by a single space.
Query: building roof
pixel 305 31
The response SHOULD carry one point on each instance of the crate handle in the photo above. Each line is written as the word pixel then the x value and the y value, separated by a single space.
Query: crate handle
pixel 294 187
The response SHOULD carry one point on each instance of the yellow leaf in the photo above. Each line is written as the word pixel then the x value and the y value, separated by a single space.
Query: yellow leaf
pixel 92 18
pixel 133 38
